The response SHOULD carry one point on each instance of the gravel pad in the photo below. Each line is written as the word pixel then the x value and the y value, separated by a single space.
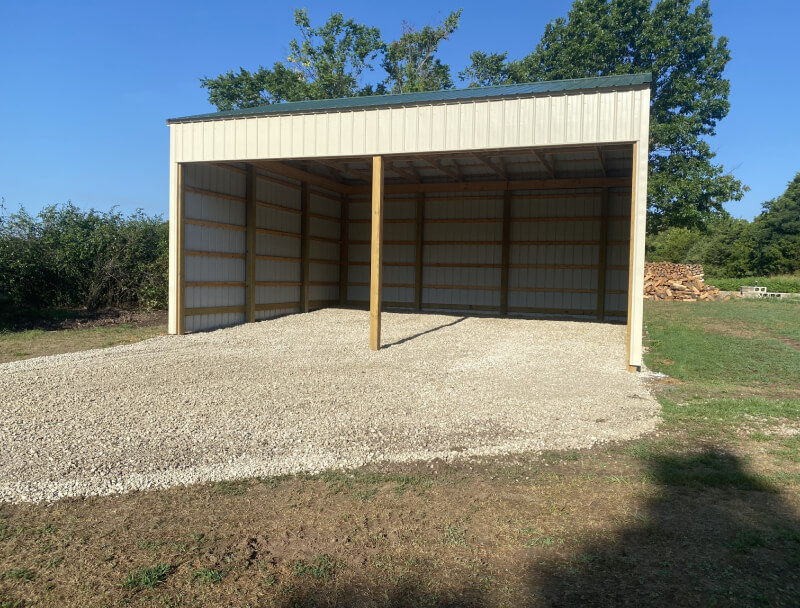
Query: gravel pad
pixel 304 393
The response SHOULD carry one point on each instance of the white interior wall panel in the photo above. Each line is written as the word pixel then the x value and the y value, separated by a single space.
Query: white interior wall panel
pixel 474 242
pixel 399 250
pixel 553 119
pixel 283 215
pixel 324 248
pixel 204 206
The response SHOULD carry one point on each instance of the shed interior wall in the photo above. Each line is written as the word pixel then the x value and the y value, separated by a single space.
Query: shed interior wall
pixel 553 248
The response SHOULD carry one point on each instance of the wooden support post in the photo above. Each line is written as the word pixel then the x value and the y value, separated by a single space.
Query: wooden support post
pixel 181 287
pixel 631 265
pixel 506 252
pixel 250 246
pixel 344 254
pixel 376 255
pixel 603 260
pixel 420 236
pixel 305 245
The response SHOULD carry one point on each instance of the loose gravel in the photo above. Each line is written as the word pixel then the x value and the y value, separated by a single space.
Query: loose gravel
pixel 304 393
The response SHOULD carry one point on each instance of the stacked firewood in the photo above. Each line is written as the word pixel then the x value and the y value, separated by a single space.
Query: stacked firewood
pixel 667 281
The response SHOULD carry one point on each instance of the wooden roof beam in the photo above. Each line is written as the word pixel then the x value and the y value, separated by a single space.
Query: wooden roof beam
pixel 501 185
pixel 342 168
pixel 284 170
pixel 548 165
pixel 489 164
pixel 411 176
pixel 453 172
pixel 599 154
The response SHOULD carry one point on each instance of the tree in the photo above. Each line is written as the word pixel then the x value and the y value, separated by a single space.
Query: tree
pixel 776 233
pixel 410 61
pixel 486 69
pixel 675 42
pixel 327 62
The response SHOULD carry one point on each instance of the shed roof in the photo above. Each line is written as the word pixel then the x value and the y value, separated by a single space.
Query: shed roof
pixel 404 99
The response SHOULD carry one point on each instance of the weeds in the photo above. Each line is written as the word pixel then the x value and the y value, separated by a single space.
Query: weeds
pixel 148 578
pixel 321 568
pixel 209 575
pixel 453 536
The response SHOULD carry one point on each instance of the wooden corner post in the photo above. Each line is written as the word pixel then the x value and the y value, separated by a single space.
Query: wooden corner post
pixel 632 267
pixel 344 254
pixel 420 241
pixel 376 254
pixel 305 245
pixel 180 292
pixel 603 259
pixel 506 253
pixel 250 246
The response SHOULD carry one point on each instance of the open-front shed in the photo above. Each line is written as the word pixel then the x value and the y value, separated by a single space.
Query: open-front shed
pixel 521 199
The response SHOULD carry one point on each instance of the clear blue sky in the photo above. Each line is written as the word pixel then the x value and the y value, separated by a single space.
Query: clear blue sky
pixel 87 85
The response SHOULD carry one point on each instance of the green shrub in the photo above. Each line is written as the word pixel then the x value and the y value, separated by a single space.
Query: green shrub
pixel 66 257
pixel 785 283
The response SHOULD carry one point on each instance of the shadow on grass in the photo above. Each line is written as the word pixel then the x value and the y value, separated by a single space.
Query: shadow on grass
pixel 711 535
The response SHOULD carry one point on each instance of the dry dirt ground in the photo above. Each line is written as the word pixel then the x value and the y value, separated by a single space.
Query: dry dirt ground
pixel 304 393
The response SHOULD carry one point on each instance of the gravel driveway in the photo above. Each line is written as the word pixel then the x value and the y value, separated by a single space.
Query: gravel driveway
pixel 303 392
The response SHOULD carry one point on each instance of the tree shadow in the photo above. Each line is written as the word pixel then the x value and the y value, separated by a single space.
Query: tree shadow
pixel 709 534
pixel 422 333
pixel 712 535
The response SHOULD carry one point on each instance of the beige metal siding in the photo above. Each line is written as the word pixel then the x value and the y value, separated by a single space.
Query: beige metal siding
pixel 205 200
pixel 571 118
pixel 282 216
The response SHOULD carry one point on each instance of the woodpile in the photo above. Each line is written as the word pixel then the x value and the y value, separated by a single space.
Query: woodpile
pixel 683 282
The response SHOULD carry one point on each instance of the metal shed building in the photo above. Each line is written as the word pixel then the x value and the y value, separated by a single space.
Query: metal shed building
pixel 519 199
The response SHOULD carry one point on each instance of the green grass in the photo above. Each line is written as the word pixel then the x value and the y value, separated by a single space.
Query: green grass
pixel 782 283
pixel 148 578
pixel 38 342
pixel 232 488
pixel 453 536
pixel 25 575
pixel 729 350
pixel 321 568
pixel 738 366
pixel 209 575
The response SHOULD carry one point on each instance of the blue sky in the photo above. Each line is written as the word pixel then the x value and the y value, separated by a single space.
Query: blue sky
pixel 87 85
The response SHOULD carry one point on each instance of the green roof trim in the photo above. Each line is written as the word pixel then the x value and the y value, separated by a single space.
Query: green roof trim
pixel 376 101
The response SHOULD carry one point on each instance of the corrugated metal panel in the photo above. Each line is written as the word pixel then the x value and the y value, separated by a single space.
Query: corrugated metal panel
pixel 203 182
pixel 427 97
pixel 283 215
pixel 559 118
pixel 325 224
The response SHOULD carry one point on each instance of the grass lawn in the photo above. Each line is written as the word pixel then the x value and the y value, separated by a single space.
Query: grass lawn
pixel 15 346
pixel 27 334
pixel 705 512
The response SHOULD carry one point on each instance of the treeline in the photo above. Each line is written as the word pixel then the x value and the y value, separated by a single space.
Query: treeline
pixel 65 257
pixel 730 247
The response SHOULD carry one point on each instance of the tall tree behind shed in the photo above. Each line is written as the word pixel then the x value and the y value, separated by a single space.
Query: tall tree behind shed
pixel 674 40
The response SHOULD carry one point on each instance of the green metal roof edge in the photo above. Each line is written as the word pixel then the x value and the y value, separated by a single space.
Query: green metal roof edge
pixel 373 101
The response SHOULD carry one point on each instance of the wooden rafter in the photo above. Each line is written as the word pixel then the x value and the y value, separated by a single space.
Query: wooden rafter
pixel 599 154
pixel 284 170
pixel 343 169
pixel 548 165
pixel 499 185
pixel 489 164
pixel 453 171
pixel 412 176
